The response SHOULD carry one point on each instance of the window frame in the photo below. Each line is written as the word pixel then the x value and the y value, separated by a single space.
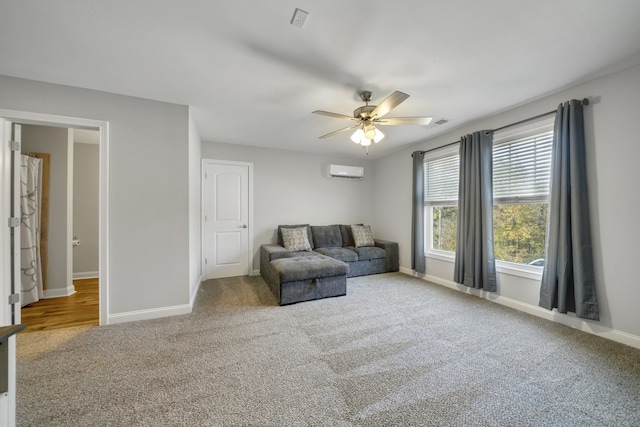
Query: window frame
pixel 512 135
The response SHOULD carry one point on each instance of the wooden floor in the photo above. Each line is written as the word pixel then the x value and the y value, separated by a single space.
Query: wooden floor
pixel 79 309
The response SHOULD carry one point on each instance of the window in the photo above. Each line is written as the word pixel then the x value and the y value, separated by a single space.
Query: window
pixel 441 175
pixel 521 173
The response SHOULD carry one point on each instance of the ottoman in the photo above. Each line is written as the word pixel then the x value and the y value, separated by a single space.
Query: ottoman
pixel 307 278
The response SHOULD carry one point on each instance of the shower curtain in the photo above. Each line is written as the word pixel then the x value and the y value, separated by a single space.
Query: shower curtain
pixel 30 202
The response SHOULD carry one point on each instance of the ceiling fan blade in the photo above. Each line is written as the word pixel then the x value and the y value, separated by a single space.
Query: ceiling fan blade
pixel 335 115
pixel 338 131
pixel 421 121
pixel 389 103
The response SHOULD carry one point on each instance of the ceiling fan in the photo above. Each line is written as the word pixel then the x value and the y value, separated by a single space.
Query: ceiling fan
pixel 368 116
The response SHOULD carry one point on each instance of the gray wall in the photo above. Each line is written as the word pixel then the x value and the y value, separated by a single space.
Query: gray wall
pixel 148 188
pixel 612 152
pixel 292 188
pixel 55 141
pixel 86 185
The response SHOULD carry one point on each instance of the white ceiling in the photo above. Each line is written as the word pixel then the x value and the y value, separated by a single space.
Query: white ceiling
pixel 252 78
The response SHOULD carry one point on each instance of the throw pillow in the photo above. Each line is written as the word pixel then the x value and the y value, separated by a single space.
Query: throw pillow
pixel 295 239
pixel 279 233
pixel 362 235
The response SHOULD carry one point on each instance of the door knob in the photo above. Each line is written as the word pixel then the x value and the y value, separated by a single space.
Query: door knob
pixel 244 226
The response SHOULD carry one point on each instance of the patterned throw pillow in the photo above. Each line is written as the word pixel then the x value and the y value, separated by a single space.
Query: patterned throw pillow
pixel 295 239
pixel 362 235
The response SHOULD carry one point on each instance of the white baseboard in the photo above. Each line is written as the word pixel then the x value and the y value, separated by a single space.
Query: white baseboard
pixel 86 275
pixel 255 272
pixel 570 319
pixel 59 292
pixel 153 313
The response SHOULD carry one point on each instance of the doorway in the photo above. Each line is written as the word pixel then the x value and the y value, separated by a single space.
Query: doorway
pixel 26 118
pixel 69 229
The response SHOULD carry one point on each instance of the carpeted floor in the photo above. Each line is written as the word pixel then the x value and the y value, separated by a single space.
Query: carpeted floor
pixel 396 351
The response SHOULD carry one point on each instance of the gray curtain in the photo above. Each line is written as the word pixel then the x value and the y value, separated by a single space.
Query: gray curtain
pixel 475 264
pixel 568 279
pixel 417 221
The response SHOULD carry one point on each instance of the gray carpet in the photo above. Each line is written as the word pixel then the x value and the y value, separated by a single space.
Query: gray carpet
pixel 395 351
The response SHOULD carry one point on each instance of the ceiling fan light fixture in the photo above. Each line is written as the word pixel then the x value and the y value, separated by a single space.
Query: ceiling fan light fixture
pixel 370 131
pixel 378 136
pixel 358 136
pixel 367 135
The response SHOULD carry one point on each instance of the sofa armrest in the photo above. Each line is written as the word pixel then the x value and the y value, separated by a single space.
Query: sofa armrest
pixel 267 254
pixel 392 259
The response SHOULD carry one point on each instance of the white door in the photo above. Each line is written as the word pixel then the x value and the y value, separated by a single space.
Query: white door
pixel 226 219
pixel 9 257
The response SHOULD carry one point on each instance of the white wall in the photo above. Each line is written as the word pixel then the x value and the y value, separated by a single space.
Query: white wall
pixel 611 121
pixel 148 191
pixel 292 188
pixel 86 185
pixel 55 141
pixel 195 247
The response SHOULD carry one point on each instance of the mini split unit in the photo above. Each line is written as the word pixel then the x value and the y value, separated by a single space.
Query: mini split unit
pixel 345 172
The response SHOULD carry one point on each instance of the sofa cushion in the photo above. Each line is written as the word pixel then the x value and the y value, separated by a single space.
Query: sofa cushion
pixel 362 235
pixel 296 239
pixel 303 268
pixel 347 235
pixel 326 236
pixel 296 254
pixel 342 254
pixel 280 227
pixel 370 252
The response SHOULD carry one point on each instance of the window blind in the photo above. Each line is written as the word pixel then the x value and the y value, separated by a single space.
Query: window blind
pixel 522 167
pixel 441 178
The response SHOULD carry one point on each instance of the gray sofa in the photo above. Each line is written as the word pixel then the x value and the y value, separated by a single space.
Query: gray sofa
pixel 322 271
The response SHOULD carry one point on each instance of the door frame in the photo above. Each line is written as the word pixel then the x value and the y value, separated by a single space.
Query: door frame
pixel 249 166
pixel 29 118
pixel 9 262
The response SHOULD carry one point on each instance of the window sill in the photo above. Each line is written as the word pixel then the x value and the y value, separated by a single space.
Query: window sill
pixel 519 270
pixel 441 255
pixel 503 267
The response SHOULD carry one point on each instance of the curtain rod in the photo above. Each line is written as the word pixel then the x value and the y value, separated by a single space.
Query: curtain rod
pixel 585 101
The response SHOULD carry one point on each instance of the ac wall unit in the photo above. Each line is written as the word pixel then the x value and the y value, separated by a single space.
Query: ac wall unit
pixel 345 172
